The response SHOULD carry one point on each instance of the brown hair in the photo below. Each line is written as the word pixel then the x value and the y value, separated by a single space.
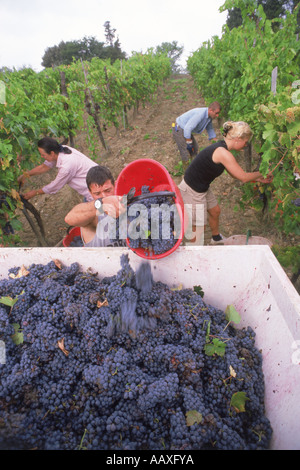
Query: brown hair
pixel 215 105
pixel 99 175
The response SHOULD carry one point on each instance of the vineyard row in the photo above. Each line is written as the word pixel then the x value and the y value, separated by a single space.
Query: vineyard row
pixel 254 72
pixel 55 101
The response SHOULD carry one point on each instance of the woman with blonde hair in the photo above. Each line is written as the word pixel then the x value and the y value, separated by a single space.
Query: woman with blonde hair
pixel 200 203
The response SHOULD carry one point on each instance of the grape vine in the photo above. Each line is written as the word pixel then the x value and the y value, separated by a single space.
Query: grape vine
pixel 53 102
pixel 236 69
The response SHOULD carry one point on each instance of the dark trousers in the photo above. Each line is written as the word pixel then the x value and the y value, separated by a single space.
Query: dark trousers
pixel 179 138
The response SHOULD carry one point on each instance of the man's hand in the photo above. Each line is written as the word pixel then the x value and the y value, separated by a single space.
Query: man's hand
pixel 190 147
pixel 112 206
pixel 85 213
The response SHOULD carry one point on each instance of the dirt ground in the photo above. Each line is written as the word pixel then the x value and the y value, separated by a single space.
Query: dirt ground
pixel 149 136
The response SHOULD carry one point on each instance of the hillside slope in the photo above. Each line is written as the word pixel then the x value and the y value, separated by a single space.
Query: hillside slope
pixel 149 136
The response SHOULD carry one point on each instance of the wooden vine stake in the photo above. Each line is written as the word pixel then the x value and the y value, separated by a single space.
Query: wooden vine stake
pixel 248 148
pixel 125 116
pixel 64 92
pixel 91 109
pixel 274 80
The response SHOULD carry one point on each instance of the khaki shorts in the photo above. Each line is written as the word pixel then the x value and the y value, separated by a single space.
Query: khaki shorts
pixel 197 204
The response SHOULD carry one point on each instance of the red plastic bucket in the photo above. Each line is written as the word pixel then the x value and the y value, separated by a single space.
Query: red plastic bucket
pixel 147 172
pixel 74 232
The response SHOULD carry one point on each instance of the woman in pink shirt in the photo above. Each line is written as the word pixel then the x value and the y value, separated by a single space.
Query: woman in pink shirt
pixel 72 169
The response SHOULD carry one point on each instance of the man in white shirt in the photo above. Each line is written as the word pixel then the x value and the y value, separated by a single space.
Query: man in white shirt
pixel 98 221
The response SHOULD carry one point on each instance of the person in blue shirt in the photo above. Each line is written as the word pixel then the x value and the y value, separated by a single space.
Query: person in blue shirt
pixel 194 121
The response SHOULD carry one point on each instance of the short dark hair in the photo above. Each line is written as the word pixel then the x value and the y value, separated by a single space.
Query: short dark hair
pixel 215 105
pixel 99 175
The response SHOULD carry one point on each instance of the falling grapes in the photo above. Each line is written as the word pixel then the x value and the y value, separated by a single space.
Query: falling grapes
pixel 119 363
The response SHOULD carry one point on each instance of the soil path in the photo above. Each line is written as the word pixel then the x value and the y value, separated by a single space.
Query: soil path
pixel 149 136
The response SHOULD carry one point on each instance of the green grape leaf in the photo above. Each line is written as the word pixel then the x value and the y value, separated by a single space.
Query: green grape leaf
pixel 232 315
pixel 193 417
pixel 9 301
pixel 216 347
pixel 198 290
pixel 293 129
pixel 18 335
pixel 238 401
pixel 270 134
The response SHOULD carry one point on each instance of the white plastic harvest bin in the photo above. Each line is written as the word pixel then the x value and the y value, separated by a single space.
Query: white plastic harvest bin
pixel 250 278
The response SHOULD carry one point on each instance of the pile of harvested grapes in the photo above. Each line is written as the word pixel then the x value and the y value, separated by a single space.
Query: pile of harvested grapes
pixel 123 363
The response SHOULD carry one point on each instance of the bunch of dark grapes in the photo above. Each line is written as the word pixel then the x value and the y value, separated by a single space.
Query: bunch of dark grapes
pixel 76 242
pixel 120 363
pixel 5 224
pixel 153 223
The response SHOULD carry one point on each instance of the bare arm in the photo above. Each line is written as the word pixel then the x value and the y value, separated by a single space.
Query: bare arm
pixel 38 170
pixel 84 214
pixel 32 193
pixel 221 155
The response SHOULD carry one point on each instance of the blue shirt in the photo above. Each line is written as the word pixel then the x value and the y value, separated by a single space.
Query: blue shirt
pixel 196 121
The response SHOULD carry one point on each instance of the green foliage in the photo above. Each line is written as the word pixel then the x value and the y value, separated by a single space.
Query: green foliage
pixel 232 315
pixel 238 401
pixel 179 169
pixel 34 107
pixel 173 51
pixel 288 256
pixel 272 9
pixel 198 290
pixel 9 301
pixel 84 49
pixel 18 337
pixel 236 70
pixel 193 417
pixel 216 346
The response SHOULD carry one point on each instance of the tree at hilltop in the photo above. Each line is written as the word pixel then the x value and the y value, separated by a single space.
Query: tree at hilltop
pixel 86 48
pixel 272 8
